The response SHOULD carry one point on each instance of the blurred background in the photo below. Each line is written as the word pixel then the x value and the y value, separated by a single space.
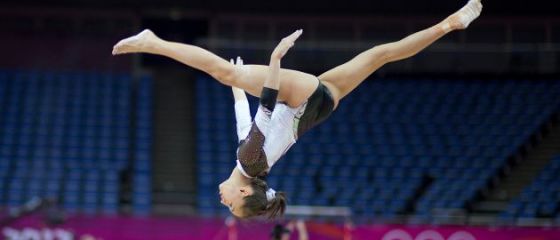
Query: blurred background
pixel 461 141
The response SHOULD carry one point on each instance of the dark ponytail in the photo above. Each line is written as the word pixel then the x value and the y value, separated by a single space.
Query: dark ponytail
pixel 257 204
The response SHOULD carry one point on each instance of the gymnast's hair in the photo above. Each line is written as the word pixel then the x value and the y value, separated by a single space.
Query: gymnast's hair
pixel 258 203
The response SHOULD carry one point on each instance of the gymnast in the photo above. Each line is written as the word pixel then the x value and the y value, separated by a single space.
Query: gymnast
pixel 291 102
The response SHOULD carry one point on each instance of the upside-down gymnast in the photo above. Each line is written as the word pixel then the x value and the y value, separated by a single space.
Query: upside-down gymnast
pixel 291 102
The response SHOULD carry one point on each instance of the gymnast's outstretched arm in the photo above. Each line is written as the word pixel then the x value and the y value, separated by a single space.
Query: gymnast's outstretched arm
pixel 242 111
pixel 271 84
pixel 269 91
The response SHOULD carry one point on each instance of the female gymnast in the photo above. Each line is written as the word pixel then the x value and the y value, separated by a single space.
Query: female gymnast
pixel 291 102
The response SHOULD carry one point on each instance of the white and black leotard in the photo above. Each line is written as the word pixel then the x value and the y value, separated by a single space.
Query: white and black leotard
pixel 275 128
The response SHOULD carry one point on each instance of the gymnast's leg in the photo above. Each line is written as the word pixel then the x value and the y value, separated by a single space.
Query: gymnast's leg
pixel 295 86
pixel 343 79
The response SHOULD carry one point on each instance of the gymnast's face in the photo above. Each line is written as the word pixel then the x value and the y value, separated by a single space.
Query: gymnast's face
pixel 232 196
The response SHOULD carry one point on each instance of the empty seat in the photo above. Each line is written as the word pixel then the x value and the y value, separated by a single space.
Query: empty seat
pixel 59 129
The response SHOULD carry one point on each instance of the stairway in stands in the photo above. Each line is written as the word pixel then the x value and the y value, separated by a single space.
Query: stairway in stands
pixel 521 174
pixel 174 178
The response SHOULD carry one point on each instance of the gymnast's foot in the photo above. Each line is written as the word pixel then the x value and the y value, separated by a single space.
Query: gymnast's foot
pixel 141 42
pixel 462 18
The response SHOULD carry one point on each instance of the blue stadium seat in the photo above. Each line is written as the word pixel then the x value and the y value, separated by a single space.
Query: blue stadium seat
pixel 58 133
pixel 539 199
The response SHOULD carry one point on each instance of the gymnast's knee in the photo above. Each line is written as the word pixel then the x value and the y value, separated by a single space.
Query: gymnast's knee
pixel 225 74
pixel 382 54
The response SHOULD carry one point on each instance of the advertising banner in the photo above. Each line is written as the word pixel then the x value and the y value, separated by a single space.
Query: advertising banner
pixel 122 227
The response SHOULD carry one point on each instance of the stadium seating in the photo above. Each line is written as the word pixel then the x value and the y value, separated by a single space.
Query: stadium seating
pixel 391 147
pixel 68 136
pixel 142 154
pixel 540 198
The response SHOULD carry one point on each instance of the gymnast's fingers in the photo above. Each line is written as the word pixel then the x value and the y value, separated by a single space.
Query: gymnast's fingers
pixel 286 44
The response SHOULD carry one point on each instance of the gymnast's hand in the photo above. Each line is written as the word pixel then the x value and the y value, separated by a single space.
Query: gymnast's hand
pixel 285 45
pixel 238 93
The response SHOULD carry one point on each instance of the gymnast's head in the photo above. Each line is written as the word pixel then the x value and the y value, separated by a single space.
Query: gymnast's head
pixel 246 200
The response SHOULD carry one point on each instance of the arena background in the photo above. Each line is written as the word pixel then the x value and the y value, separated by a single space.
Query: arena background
pixel 459 142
